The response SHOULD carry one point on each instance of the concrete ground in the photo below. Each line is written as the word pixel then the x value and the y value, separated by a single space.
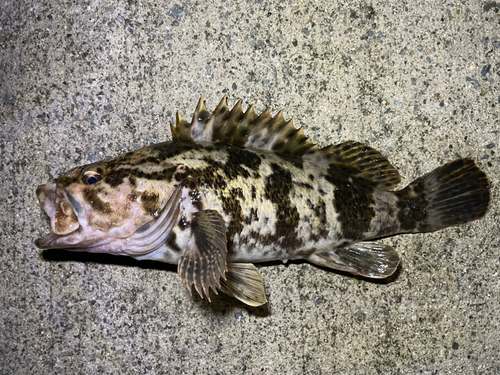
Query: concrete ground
pixel 85 80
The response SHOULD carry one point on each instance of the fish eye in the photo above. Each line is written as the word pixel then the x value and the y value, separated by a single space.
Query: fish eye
pixel 91 177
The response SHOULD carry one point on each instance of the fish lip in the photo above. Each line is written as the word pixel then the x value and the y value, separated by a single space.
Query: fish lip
pixel 45 241
pixel 52 199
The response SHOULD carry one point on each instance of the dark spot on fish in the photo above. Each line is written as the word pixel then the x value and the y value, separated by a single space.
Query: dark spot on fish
pixel 181 176
pixel 311 177
pixel 165 174
pixel 216 174
pixel 254 192
pixel 91 196
pixel 277 189
pixel 183 223
pixel 115 177
pixel 303 185
pixel 411 205
pixel 386 221
pixel 212 175
pixel 166 150
pixel 232 207
pixel 172 242
pixel 241 156
pixel 150 203
pixel 321 231
pixel 354 205
pixel 195 196
pixel 150 160
pixel 252 217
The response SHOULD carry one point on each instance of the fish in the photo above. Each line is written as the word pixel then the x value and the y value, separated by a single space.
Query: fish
pixel 234 188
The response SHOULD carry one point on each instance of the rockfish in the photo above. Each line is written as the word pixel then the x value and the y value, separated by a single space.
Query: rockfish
pixel 235 188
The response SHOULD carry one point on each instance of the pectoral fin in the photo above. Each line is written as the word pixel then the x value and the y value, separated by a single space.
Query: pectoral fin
pixel 368 259
pixel 204 263
pixel 244 282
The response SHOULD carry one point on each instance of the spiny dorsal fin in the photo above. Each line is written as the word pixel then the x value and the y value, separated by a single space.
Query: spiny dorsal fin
pixel 244 129
pixel 350 160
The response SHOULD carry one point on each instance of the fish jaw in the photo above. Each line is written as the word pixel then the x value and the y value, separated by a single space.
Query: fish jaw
pixel 54 201
pixel 67 219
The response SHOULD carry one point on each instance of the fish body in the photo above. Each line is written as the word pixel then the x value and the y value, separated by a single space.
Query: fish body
pixel 234 188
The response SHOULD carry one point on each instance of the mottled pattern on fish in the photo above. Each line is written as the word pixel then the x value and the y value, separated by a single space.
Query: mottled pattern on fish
pixel 234 187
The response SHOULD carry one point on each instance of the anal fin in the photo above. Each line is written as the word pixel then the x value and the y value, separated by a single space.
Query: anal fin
pixel 368 259
pixel 244 282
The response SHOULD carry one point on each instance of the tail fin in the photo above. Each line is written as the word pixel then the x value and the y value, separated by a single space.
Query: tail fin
pixel 454 194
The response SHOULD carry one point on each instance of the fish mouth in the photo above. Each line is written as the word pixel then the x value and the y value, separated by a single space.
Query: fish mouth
pixel 63 210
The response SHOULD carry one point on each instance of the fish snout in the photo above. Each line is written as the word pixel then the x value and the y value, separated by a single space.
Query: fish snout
pixel 60 206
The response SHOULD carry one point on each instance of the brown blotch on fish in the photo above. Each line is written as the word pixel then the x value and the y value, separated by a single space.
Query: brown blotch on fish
pixel 195 197
pixel 232 207
pixel 304 185
pixel 91 196
pixel 252 217
pixel 151 203
pixel 240 156
pixel 183 223
pixel 320 232
pixel 115 177
pixel 277 189
pixel 411 205
pixel 353 205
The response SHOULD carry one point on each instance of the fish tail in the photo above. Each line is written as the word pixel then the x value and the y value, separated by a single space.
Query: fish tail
pixel 453 194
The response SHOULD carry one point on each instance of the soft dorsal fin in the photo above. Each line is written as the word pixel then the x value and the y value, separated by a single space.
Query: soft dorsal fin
pixel 359 163
pixel 243 129
pixel 350 161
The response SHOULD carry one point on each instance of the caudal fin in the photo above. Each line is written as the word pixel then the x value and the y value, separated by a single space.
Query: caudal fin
pixel 454 194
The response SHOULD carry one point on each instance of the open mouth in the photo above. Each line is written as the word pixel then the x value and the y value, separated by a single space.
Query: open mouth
pixel 62 209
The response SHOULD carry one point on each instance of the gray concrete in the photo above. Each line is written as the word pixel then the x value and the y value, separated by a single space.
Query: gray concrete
pixel 85 80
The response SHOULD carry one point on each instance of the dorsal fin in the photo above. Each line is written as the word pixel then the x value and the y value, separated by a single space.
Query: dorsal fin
pixel 349 161
pixel 356 162
pixel 244 129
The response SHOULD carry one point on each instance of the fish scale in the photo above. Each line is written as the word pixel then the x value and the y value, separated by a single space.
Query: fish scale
pixel 235 188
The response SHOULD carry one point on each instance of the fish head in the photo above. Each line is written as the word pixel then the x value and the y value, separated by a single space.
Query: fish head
pixel 99 207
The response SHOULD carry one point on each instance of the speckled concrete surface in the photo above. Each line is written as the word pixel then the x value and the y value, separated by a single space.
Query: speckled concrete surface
pixel 81 81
